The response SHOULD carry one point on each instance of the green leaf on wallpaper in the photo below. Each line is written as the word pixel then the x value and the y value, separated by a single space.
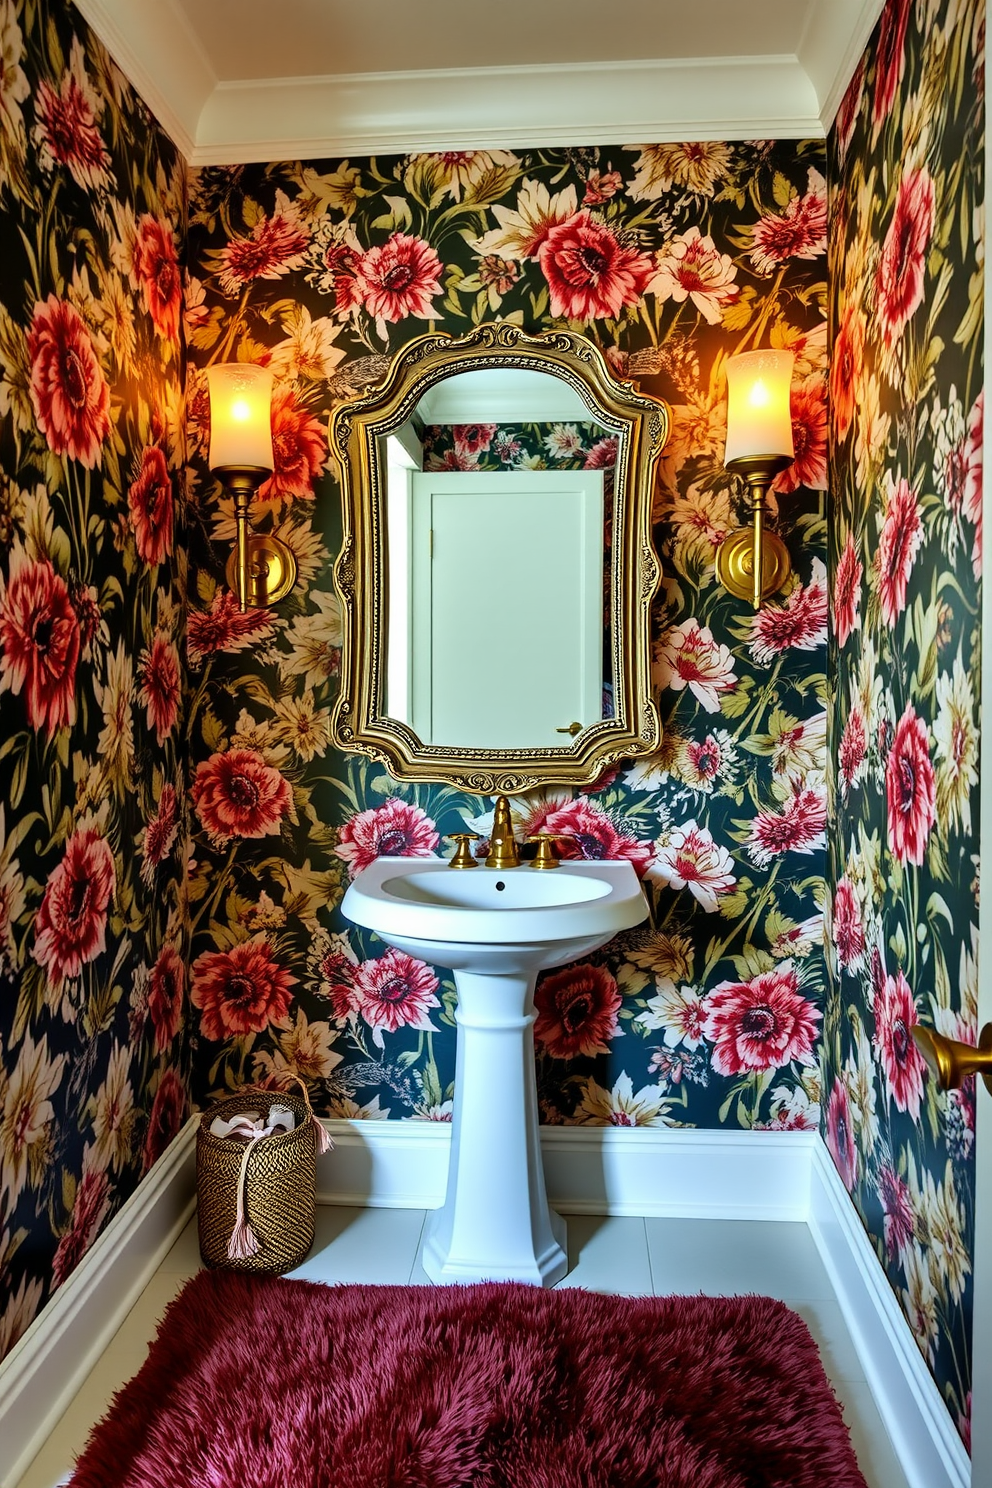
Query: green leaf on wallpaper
pixel 449 1001
pixel 782 190
pixel 212 730
pixel 19 779
pixel 937 857
pixel 897 944
pixel 397 218
pixel 539 305
pixel 30 1000
pixel 973 319
pixel 937 905
pixel 732 906
pixel 737 316
pixel 407 1057
pixel 941 979
pixel 735 704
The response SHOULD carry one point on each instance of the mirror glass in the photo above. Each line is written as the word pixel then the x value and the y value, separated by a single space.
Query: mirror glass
pixel 497 570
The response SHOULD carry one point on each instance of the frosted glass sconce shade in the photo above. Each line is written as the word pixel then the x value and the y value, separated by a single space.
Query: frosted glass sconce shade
pixel 240 416
pixel 759 417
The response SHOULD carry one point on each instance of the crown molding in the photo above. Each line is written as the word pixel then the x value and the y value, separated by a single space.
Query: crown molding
pixel 832 46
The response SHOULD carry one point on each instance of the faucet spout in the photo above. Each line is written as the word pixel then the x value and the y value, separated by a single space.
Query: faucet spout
pixel 503 851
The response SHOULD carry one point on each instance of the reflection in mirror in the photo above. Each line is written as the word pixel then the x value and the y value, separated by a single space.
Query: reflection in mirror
pixel 498 489
pixel 496 570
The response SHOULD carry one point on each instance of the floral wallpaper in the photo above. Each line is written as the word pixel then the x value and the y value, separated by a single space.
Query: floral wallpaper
pixel 906 266
pixel 93 939
pixel 670 258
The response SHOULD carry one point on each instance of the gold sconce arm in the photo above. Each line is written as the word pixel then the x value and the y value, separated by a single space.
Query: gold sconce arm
pixel 752 563
pixel 950 1061
pixel 262 568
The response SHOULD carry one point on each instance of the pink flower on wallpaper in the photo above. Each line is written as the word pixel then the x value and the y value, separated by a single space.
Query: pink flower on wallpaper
pixel 847 592
pixel 691 267
pixel 974 460
pixel 576 1012
pixel 850 107
pixel 853 748
pixel 242 990
pixel 224 627
pixel 166 988
pixel 601 186
pixel 277 244
pixel 588 832
pixel 66 130
pixel 898 545
pixel 150 506
pixel 90 1209
pixel 890 60
pixel 902 264
pixel 692 860
pixel 590 273
pixel 840 1135
pixel 602 455
pixel 473 439
pixel 688 656
pixel 299 450
pixel 157 269
pixel 846 367
pixel 39 634
pixel 165 1119
pixel 902 1062
pixel 910 789
pixel 399 278
pixel 799 827
pixel 899 1224
pixel 848 931
pixel 760 1024
pixel 798 625
pixel 236 794
pixel 809 437
pixel 702 760
pixel 70 928
pixel 159 836
pixel 395 991
pixel 69 395
pixel 160 686
pixel 799 232
pixel 394 830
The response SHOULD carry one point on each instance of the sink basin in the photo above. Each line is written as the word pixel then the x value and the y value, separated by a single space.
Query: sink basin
pixel 496 929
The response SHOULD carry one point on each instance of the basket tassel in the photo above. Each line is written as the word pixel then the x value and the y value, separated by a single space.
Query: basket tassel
pixel 243 1242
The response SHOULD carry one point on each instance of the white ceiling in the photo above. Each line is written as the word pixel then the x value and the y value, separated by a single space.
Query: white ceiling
pixel 240 80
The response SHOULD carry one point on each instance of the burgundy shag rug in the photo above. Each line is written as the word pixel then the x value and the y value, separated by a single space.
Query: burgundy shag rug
pixel 257 1383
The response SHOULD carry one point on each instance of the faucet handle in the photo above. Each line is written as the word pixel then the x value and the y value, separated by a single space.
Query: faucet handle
pixel 546 857
pixel 462 857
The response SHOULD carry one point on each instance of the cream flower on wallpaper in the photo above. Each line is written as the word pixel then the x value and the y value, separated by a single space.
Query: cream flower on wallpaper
pixel 14 90
pixel 920 1301
pixel 111 1110
pixel 460 171
pixel 303 1049
pixel 943 1216
pixel 695 167
pixel 315 641
pixel 26 1112
pixel 797 748
pixel 622 1106
pixel 688 656
pixel 670 957
pixel 690 859
pixel 11 900
pixel 308 352
pixel 677 1010
pixel 303 726
pixel 346 1109
pixel 691 267
pixel 522 230
pixel 955 748
pixel 859 1077
pixel 115 697
pixel 701 519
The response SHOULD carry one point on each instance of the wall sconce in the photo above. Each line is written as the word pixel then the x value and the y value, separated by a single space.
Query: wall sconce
pixel 262 568
pixel 753 563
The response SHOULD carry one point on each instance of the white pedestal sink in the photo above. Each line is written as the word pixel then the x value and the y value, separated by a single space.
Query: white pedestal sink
pixel 496 929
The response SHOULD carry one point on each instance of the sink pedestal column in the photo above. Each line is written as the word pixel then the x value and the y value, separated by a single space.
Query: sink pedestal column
pixel 495 1223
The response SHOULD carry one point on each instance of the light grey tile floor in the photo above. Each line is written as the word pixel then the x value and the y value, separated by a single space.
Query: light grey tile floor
pixel 632 1257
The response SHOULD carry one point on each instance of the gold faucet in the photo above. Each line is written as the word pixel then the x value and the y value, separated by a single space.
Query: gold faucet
pixel 503 851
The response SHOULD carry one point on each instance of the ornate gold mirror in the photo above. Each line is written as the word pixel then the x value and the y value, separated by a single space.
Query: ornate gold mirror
pixel 496 571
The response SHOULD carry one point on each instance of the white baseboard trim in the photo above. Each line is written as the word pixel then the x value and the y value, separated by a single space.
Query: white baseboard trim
pixel 923 1435
pixel 47 1365
pixel 588 1170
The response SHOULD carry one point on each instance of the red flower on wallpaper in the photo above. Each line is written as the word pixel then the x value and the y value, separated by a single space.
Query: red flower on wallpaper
pixel 899 1224
pixel 761 1024
pixel 974 460
pixel 66 131
pixel 589 833
pixel 166 1117
pixel 166 987
pixel 846 367
pixel 394 991
pixel 898 545
pixel 69 394
pixel 399 278
pixel 236 794
pixel 39 634
pixel 602 455
pixel 910 789
pixel 847 592
pixel 277 244
pixel 576 1012
pixel 150 506
pixel 799 827
pixel 473 439
pixel 890 60
pixel 853 747
pixel 160 686
pixel 224 627
pixel 157 268
pixel 589 271
pixel 902 264
pixel 396 829
pixel 799 625
pixel 902 1062
pixel 840 1135
pixel 848 931
pixel 71 925
pixel 799 232
pixel 850 107
pixel 91 1207
pixel 809 437
pixel 242 990
pixel 299 450
pixel 159 836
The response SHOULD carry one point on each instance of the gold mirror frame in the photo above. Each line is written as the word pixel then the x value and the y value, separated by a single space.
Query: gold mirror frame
pixel 358 725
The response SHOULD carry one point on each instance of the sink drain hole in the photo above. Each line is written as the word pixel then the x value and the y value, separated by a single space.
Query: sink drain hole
pixel 500 885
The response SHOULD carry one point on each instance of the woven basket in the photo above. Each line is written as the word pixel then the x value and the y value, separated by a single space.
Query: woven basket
pixel 279 1182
